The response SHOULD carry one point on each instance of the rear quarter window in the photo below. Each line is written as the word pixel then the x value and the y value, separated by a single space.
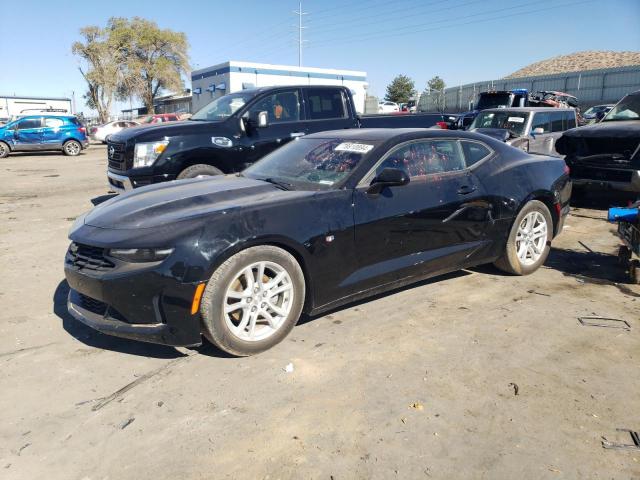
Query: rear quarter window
pixel 474 152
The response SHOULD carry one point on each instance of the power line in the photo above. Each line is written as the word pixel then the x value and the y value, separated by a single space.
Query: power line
pixel 352 39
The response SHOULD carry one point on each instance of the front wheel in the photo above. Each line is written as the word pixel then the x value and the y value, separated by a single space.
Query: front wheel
pixel 253 300
pixel 529 241
pixel 199 170
pixel 72 148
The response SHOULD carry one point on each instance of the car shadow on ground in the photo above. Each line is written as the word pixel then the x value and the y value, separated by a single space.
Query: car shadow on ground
pixel 590 267
pixel 93 338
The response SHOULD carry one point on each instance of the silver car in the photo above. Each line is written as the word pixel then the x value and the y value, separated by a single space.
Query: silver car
pixel 533 129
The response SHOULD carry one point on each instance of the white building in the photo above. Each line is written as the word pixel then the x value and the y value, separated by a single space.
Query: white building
pixel 217 80
pixel 11 106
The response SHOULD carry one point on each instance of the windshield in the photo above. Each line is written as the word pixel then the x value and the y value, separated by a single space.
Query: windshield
pixel 513 121
pixel 222 107
pixel 627 109
pixel 312 163
pixel 494 100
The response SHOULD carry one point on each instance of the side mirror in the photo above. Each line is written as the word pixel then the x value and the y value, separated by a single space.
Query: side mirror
pixel 538 131
pixel 389 177
pixel 259 119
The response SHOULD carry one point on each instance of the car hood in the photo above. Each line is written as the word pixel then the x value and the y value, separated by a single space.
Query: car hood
pixel 171 202
pixel 155 131
pixel 498 133
pixel 604 141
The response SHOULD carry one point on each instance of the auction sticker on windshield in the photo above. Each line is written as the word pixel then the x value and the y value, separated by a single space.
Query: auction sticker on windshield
pixel 516 119
pixel 353 147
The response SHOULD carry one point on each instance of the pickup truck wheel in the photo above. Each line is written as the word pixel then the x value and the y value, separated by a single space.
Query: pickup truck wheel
pixel 4 150
pixel 72 148
pixel 529 241
pixel 199 170
pixel 253 300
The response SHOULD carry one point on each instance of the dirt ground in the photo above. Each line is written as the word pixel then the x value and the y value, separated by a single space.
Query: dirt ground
pixel 420 383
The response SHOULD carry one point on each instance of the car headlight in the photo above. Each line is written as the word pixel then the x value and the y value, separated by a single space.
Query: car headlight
pixel 138 255
pixel 146 153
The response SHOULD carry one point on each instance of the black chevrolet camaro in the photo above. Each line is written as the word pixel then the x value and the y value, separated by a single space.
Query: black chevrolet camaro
pixel 326 219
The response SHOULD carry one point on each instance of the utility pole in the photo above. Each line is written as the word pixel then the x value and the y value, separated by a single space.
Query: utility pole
pixel 300 13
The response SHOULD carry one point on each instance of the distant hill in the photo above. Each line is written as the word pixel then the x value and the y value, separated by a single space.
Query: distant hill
pixel 588 60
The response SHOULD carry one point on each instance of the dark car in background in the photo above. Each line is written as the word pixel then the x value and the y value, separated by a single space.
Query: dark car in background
pixel 606 155
pixel 327 219
pixel 43 132
pixel 595 113
pixel 532 129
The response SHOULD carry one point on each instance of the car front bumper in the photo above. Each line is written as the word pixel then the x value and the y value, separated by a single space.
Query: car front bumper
pixel 144 305
pixel 123 183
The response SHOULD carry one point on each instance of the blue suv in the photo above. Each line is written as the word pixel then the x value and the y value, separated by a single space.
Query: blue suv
pixel 43 132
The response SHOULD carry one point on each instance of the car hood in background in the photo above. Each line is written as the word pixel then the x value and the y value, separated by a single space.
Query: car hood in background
pixel 498 133
pixel 171 202
pixel 155 131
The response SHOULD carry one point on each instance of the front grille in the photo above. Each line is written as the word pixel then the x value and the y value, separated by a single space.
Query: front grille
pixel 116 156
pixel 100 308
pixel 88 257
pixel 93 305
pixel 603 174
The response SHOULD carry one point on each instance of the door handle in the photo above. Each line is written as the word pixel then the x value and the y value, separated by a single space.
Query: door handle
pixel 297 134
pixel 466 189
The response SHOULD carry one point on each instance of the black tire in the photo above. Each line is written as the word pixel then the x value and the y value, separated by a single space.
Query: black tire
pixel 215 327
pixel 199 170
pixel 4 150
pixel 634 272
pixel 509 262
pixel 71 148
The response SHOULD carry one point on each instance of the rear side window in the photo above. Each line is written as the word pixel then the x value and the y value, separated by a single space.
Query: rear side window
pixel 425 158
pixel 325 103
pixel 53 122
pixel 541 120
pixel 474 152
pixel 29 123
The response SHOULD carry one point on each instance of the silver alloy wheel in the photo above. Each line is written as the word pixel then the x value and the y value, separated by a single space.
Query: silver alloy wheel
pixel 72 148
pixel 258 301
pixel 531 239
pixel 2 149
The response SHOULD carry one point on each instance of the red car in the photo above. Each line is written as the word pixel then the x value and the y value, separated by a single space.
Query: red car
pixel 159 118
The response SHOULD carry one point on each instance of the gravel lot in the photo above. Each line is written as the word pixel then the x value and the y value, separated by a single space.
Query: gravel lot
pixel 414 384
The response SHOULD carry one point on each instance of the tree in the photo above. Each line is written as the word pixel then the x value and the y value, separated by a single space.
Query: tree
pixel 100 69
pixel 400 90
pixel 155 59
pixel 435 88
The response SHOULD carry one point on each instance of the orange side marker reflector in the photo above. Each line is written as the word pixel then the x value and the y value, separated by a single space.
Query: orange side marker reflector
pixel 195 306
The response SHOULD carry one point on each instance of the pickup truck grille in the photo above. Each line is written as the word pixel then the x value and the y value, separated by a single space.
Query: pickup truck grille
pixel 86 257
pixel 116 156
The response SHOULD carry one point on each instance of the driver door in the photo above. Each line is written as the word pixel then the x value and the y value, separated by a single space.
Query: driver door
pixel 284 123
pixel 434 223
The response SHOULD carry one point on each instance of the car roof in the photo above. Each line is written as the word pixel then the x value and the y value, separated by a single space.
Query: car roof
pixel 42 115
pixel 257 90
pixel 530 109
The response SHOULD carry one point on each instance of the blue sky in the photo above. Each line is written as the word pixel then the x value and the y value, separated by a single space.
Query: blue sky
pixel 460 40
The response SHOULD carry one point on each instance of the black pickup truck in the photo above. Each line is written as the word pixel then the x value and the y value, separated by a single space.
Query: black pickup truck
pixel 235 130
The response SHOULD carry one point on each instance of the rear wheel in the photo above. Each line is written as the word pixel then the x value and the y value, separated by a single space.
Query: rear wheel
pixel 72 148
pixel 199 170
pixel 253 300
pixel 4 150
pixel 529 241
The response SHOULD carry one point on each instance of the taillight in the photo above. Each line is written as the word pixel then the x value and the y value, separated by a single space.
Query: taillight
pixel 442 125
pixel 83 129
pixel 567 170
